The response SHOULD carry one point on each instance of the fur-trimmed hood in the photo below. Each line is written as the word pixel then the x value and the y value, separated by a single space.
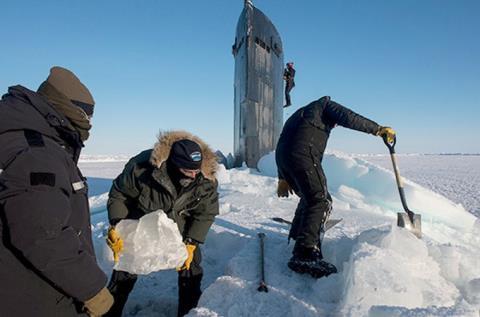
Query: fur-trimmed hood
pixel 161 151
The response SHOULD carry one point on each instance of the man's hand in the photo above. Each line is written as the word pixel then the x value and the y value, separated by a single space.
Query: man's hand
pixel 283 188
pixel 190 249
pixel 386 133
pixel 115 243
pixel 99 304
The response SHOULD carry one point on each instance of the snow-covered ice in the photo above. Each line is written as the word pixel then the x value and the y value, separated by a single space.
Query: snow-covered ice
pixel 383 270
pixel 456 177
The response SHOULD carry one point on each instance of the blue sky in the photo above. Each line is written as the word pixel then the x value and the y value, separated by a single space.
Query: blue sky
pixel 151 65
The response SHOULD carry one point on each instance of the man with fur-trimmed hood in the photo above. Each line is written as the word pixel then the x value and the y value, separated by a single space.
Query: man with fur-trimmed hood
pixel 178 177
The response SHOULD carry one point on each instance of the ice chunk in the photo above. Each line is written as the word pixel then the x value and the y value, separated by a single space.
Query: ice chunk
pixel 223 177
pixel 390 267
pixel 151 244
pixel 267 165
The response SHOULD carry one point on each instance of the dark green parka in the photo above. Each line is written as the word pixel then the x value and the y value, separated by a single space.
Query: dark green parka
pixel 144 186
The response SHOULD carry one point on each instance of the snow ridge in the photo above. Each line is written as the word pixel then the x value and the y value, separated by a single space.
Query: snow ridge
pixel 383 270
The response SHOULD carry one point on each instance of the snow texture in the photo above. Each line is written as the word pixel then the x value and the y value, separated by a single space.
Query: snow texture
pixel 383 270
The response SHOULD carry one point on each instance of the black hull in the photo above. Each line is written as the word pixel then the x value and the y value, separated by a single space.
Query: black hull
pixel 258 115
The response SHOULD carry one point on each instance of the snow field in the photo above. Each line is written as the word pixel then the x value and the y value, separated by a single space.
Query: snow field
pixel 383 270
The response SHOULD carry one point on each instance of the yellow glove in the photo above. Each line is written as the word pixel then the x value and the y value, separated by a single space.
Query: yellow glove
pixel 99 304
pixel 388 133
pixel 283 188
pixel 190 249
pixel 115 243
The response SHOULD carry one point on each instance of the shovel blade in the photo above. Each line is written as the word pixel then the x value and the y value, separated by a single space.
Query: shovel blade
pixel 415 226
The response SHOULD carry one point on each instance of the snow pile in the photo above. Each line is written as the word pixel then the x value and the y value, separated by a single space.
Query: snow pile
pixel 150 244
pixel 267 165
pixel 383 270
pixel 391 267
pixel 456 177
pixel 376 187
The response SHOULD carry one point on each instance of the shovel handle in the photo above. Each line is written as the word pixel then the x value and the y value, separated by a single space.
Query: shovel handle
pixel 391 148
pixel 263 285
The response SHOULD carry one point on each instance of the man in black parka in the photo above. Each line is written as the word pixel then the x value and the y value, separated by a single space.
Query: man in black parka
pixel 47 262
pixel 178 177
pixel 299 156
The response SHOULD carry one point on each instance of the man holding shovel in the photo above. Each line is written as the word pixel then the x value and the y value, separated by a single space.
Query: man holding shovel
pixel 299 156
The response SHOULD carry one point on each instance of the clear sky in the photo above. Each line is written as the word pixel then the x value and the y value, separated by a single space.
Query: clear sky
pixel 151 65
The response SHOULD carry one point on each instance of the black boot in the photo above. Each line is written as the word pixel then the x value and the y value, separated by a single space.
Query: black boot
pixel 121 284
pixel 309 260
pixel 189 292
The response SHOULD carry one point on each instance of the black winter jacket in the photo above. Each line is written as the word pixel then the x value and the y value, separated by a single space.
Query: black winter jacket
pixel 289 76
pixel 47 262
pixel 309 127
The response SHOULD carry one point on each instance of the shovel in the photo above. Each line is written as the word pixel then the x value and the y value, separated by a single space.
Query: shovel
pixel 408 219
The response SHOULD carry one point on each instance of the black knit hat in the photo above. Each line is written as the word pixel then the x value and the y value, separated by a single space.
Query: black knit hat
pixel 186 154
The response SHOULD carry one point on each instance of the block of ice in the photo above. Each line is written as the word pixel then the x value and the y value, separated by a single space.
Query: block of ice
pixel 151 244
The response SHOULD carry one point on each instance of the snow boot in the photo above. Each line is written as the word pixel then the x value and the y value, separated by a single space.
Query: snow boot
pixel 309 260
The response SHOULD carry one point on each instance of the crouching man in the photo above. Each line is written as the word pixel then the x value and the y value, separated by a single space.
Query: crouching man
pixel 177 176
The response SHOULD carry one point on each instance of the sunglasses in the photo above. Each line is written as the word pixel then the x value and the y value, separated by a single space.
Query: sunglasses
pixel 85 107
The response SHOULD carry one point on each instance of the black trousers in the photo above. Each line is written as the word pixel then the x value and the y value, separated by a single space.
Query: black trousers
pixel 303 171
pixel 288 88
pixel 189 292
